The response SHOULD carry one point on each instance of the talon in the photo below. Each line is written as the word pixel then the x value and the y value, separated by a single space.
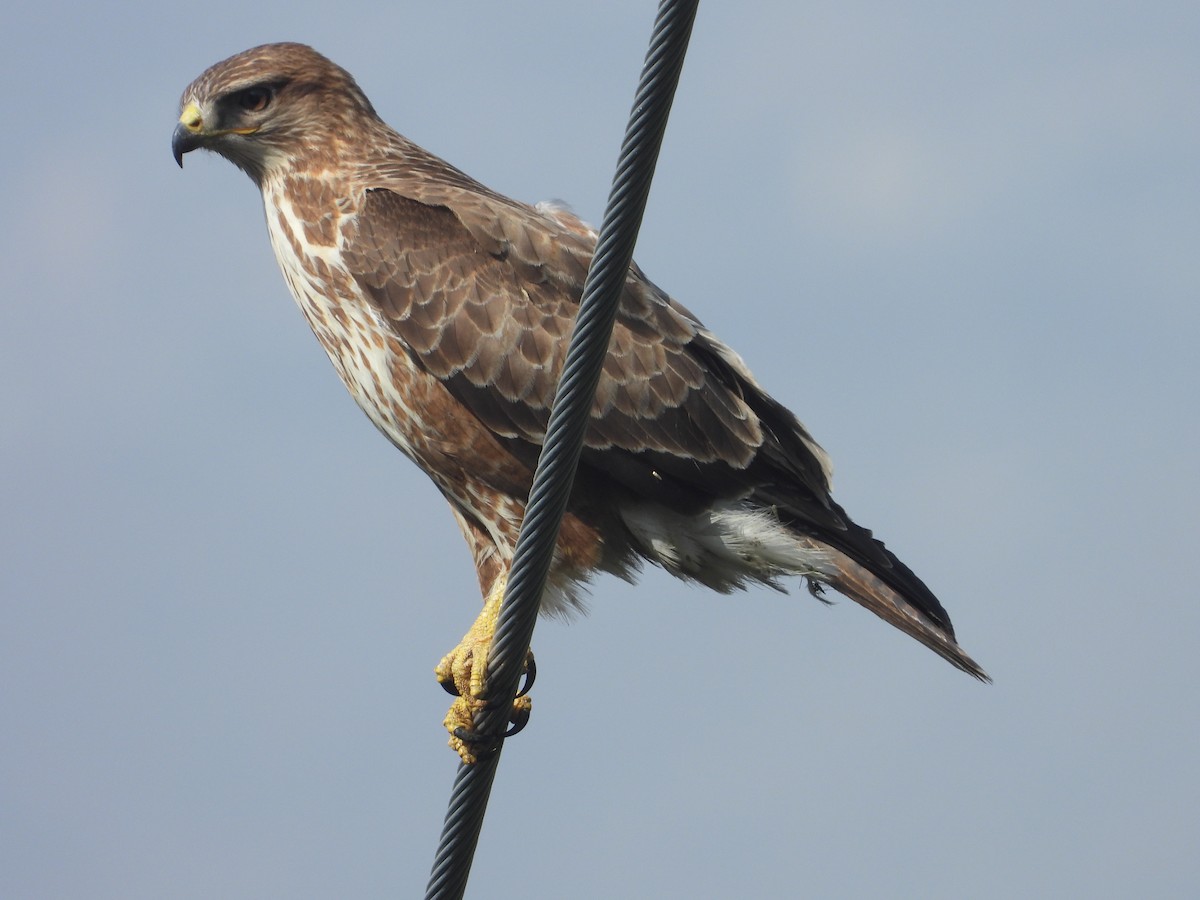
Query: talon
pixel 472 746
pixel 527 678
pixel 522 706
pixel 517 721
pixel 462 673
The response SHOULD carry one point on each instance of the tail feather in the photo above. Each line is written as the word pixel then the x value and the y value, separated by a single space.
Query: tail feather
pixel 727 547
pixel 860 585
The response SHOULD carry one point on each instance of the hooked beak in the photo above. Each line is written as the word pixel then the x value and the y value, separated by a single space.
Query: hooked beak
pixel 188 134
pixel 183 141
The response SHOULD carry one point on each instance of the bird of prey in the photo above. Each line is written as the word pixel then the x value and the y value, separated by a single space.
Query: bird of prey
pixel 446 309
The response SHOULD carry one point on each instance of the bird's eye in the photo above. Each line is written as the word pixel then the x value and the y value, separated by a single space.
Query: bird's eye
pixel 254 99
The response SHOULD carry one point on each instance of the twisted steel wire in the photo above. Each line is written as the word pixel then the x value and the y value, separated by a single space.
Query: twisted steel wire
pixel 563 444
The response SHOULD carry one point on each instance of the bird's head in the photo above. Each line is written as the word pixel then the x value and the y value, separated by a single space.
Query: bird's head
pixel 268 107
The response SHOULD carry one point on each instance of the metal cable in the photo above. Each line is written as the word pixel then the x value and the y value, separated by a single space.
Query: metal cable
pixel 563 444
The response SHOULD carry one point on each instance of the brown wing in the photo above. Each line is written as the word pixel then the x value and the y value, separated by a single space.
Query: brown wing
pixel 484 294
pixel 486 303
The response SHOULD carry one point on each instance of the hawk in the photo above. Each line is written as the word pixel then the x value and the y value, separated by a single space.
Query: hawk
pixel 446 309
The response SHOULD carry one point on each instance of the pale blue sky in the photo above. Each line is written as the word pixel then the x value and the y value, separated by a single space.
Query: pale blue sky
pixel 962 243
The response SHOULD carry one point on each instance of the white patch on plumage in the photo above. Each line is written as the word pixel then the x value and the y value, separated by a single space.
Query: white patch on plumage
pixel 365 366
pixel 561 213
pixel 726 546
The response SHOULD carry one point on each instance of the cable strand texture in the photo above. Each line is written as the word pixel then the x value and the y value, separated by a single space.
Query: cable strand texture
pixel 563 445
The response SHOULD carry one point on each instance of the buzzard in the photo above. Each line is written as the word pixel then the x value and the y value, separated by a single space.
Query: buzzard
pixel 446 309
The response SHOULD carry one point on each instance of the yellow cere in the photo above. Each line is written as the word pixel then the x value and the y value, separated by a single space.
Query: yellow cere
pixel 190 118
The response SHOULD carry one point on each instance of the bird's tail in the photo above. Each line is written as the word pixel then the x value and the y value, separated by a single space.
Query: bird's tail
pixel 852 579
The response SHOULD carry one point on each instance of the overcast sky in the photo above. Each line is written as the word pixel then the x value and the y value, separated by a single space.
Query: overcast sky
pixel 962 242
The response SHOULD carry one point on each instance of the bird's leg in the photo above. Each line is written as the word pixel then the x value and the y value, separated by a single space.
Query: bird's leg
pixel 462 672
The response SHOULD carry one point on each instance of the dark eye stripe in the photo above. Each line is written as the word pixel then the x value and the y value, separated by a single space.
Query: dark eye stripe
pixel 254 99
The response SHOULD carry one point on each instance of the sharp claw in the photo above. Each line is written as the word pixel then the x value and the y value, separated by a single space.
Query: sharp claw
pixel 462 673
pixel 518 721
pixel 529 676
pixel 467 736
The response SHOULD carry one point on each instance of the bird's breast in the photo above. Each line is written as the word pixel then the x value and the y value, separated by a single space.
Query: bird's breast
pixel 412 407
pixel 368 358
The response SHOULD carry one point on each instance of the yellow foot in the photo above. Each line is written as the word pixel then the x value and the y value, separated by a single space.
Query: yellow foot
pixel 462 672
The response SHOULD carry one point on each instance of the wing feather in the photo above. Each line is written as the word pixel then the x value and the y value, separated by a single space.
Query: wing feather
pixel 483 291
